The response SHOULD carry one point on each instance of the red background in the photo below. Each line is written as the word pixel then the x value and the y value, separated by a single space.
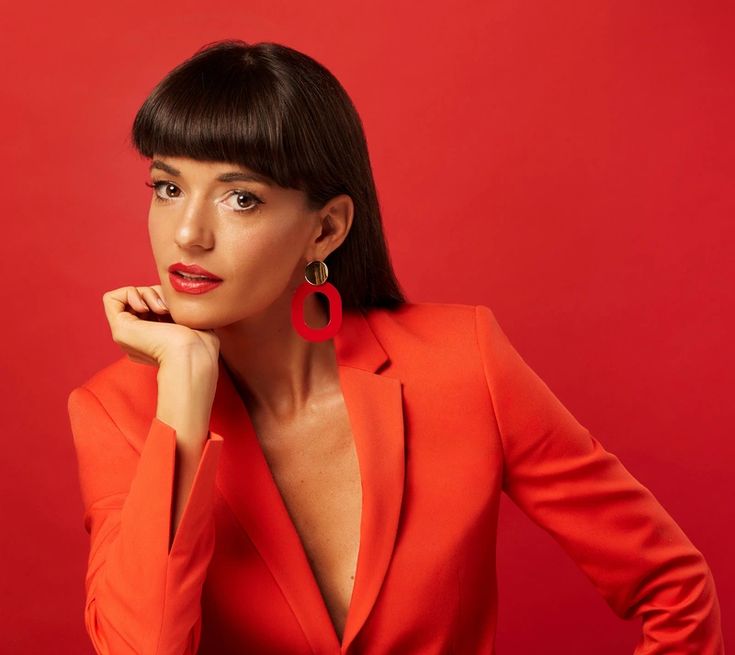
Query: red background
pixel 569 164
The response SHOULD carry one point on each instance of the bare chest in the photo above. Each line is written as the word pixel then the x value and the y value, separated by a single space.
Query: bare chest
pixel 314 464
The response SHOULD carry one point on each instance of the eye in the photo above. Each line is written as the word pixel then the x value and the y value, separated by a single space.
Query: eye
pixel 156 186
pixel 245 201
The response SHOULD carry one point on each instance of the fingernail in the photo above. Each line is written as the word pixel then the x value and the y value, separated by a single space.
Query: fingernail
pixel 163 304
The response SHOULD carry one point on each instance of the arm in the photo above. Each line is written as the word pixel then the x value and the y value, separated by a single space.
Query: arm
pixel 613 527
pixel 142 591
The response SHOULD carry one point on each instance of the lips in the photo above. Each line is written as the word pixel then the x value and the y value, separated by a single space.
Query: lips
pixel 193 269
pixel 190 285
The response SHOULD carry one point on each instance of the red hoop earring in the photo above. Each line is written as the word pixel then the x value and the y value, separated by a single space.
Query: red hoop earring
pixel 316 270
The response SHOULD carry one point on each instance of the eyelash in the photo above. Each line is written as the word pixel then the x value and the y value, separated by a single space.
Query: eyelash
pixel 249 194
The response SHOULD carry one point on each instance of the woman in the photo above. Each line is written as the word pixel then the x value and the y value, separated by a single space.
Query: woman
pixel 273 470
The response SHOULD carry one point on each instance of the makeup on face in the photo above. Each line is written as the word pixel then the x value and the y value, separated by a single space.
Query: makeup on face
pixel 192 278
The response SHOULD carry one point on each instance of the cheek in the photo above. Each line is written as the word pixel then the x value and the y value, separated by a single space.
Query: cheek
pixel 156 238
pixel 264 259
pixel 262 256
pixel 278 240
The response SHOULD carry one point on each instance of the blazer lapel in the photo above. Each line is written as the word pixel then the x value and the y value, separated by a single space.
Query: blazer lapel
pixel 375 407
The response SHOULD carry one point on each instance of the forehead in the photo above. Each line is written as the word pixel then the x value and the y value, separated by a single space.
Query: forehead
pixel 221 171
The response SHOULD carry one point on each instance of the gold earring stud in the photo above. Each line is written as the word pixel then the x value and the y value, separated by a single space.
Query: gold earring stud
pixel 316 272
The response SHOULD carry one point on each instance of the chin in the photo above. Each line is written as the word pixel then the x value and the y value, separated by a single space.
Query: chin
pixel 191 320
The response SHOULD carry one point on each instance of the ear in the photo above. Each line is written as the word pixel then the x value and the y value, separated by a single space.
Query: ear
pixel 335 220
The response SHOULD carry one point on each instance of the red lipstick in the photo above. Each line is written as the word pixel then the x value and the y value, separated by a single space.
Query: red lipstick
pixel 192 278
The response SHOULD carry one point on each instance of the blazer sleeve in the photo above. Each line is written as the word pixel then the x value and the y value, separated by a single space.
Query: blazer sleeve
pixel 141 597
pixel 611 525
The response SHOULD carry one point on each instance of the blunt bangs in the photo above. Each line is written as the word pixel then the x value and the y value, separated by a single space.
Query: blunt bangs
pixel 209 110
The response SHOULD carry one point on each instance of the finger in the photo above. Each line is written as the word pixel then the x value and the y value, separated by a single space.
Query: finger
pixel 153 300
pixel 159 290
pixel 114 303
pixel 135 300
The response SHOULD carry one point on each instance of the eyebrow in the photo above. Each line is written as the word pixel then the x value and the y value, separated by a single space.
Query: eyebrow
pixel 230 176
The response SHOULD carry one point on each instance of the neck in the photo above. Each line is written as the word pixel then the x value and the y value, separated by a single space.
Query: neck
pixel 273 367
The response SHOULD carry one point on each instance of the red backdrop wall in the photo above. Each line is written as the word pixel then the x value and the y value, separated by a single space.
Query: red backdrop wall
pixel 569 164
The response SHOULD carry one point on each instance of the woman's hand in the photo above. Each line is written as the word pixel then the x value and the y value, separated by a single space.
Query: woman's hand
pixel 144 329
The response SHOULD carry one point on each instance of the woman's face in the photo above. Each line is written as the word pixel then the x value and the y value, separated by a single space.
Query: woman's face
pixel 255 237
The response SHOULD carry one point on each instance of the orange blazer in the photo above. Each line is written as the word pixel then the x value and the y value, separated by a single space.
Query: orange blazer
pixel 446 415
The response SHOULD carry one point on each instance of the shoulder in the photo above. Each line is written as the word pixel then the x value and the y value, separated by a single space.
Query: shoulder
pixel 423 318
pixel 119 377
pixel 430 334
pixel 125 389
pixel 430 322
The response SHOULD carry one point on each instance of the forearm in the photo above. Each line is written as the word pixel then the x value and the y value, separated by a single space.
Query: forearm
pixel 185 393
pixel 136 599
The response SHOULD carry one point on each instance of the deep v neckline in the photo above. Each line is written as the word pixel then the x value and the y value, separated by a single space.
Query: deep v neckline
pixel 268 455
pixel 245 481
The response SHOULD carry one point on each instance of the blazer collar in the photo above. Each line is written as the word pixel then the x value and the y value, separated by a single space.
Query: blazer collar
pixel 375 408
pixel 356 344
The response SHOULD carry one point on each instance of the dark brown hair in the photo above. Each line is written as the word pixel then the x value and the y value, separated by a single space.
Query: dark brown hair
pixel 280 113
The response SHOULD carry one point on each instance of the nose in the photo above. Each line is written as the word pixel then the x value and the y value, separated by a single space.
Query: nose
pixel 194 229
